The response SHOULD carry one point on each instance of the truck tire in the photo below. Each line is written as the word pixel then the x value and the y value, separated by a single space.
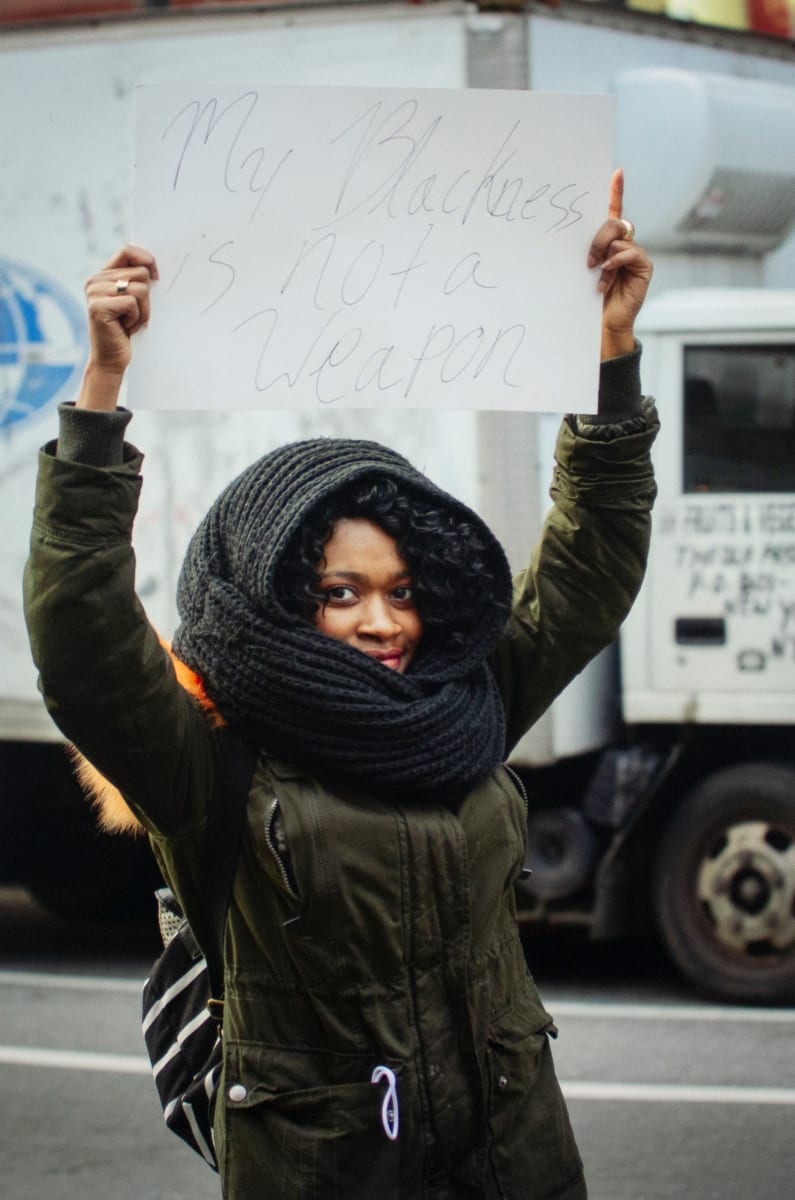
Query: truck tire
pixel 724 885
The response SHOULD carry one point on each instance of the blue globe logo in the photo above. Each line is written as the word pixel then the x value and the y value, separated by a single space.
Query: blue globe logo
pixel 42 341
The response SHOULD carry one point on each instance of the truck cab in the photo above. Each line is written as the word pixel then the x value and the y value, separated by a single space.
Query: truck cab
pixel 712 637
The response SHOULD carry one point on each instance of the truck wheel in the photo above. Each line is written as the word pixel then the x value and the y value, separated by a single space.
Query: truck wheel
pixel 724 887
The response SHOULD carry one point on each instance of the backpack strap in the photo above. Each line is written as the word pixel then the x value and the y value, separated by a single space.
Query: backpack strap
pixel 234 770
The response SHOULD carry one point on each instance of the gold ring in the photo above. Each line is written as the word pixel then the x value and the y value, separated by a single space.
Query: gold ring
pixel 629 229
pixel 121 286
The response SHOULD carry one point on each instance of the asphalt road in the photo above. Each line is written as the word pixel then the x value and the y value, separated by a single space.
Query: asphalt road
pixel 669 1096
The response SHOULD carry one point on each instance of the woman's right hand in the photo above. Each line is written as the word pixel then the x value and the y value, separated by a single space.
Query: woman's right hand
pixel 118 306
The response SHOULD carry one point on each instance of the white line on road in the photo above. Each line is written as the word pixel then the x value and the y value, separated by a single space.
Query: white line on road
pixel 80 983
pixel 596 1009
pixel 674 1093
pixel 75 1060
pixel 658 1093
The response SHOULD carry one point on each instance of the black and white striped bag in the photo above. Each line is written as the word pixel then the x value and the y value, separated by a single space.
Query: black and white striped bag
pixel 183 1038
pixel 183 996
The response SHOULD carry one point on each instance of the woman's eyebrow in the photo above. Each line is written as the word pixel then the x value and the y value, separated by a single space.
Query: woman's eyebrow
pixel 354 575
pixel 360 577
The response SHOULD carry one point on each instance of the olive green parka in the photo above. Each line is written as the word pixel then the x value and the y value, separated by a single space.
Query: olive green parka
pixel 388 938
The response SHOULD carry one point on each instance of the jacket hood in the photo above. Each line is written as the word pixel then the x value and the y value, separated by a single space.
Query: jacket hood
pixel 251 523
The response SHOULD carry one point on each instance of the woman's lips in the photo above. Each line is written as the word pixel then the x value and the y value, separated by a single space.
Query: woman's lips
pixel 388 658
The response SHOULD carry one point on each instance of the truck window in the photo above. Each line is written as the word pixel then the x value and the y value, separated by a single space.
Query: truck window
pixel 739 419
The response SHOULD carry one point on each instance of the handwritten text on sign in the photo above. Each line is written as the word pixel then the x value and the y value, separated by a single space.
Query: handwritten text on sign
pixel 370 247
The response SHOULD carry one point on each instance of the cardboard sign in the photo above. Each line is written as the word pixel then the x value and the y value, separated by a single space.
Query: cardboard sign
pixel 369 247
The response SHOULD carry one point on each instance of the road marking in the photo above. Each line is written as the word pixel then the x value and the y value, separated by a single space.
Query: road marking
pixel 81 983
pixel 595 1010
pixel 674 1093
pixel 656 1093
pixel 75 1060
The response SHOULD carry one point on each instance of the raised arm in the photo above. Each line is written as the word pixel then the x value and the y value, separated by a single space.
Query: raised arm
pixel 107 681
pixel 590 560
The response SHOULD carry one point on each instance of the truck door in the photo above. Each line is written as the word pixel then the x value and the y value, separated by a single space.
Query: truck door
pixel 721 584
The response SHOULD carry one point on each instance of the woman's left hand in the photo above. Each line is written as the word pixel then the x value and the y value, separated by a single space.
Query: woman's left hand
pixel 626 272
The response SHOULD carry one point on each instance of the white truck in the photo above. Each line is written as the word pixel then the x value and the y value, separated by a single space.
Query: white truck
pixel 662 783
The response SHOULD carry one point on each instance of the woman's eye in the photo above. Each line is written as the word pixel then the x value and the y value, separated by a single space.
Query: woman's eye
pixel 339 594
pixel 403 594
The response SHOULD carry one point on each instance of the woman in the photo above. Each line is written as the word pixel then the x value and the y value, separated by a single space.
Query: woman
pixel 358 625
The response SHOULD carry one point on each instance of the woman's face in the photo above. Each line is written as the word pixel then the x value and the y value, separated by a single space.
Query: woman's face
pixel 366 595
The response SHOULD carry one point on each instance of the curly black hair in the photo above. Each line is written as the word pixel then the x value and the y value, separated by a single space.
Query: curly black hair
pixel 452 580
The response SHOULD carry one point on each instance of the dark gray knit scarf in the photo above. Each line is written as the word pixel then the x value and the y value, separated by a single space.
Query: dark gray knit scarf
pixel 309 698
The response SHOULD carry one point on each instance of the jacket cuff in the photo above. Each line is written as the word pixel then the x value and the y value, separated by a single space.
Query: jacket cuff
pixel 80 504
pixel 95 439
pixel 619 389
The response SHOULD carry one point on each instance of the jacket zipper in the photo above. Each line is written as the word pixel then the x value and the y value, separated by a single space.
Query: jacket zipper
pixel 526 870
pixel 520 785
pixel 269 839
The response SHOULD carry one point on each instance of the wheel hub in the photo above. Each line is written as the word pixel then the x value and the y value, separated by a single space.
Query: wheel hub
pixel 750 891
pixel 746 885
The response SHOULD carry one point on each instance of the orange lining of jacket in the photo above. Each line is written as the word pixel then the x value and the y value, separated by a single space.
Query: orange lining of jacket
pixel 114 814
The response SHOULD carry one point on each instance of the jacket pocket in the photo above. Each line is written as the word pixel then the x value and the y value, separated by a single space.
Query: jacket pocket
pixel 276 841
pixel 307 1126
pixel 532 1147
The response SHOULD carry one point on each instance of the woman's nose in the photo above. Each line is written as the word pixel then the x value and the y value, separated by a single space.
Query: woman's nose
pixel 378 619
